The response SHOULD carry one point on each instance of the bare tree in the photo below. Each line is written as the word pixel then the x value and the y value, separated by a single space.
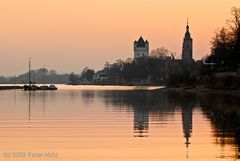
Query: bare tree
pixel 161 53
pixel 225 45
pixel 234 21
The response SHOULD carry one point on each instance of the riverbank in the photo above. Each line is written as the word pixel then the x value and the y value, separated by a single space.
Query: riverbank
pixel 201 89
pixel 10 87
pixel 188 89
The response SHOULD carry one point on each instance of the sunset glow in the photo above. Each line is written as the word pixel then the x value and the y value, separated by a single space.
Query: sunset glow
pixel 67 35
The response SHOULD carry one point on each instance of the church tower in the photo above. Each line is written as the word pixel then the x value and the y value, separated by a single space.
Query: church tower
pixel 187 47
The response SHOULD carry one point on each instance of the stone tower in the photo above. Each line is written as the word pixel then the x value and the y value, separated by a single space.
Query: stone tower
pixel 187 47
pixel 141 48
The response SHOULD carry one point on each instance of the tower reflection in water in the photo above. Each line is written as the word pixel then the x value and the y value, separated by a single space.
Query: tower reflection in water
pixel 141 122
pixel 187 112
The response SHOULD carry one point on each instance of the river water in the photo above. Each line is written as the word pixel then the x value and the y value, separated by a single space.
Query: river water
pixel 93 123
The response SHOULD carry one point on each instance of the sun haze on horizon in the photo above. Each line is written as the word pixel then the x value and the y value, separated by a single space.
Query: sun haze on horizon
pixel 67 35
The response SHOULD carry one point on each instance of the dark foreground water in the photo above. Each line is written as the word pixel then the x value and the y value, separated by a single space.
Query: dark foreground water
pixel 117 123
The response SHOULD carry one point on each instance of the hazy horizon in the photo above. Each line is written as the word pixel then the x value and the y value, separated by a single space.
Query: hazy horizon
pixel 68 35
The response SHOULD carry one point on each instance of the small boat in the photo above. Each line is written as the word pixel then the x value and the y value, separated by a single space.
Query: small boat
pixel 43 87
pixel 31 87
pixel 52 87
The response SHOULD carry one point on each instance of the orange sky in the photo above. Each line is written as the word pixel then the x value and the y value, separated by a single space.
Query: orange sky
pixel 68 35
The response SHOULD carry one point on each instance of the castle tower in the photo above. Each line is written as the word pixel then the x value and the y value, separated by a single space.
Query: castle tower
pixel 141 48
pixel 187 47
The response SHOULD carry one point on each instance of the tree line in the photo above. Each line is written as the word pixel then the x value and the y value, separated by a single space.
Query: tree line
pixel 38 76
pixel 160 68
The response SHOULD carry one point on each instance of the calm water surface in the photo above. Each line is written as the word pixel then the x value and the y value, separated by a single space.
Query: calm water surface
pixel 117 124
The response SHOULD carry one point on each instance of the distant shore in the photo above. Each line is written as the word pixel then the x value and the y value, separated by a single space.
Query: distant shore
pixel 188 89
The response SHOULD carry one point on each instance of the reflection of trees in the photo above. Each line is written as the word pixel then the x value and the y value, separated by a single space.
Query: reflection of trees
pixel 87 96
pixel 224 113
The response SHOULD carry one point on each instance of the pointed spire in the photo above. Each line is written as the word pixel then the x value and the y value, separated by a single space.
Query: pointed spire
pixel 187 25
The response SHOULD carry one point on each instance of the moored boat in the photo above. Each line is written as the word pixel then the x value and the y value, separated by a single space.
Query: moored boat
pixel 43 87
pixel 52 87
pixel 32 87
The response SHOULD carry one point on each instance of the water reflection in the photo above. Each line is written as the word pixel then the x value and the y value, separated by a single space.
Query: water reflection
pixel 87 96
pixel 222 111
pixel 141 122
pixel 152 115
pixel 187 123
pixel 187 112
pixel 224 114
pixel 43 103
pixel 31 96
pixel 29 106
pixel 157 105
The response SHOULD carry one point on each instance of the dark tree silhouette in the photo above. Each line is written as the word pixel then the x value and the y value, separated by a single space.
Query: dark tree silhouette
pixel 87 74
pixel 225 50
